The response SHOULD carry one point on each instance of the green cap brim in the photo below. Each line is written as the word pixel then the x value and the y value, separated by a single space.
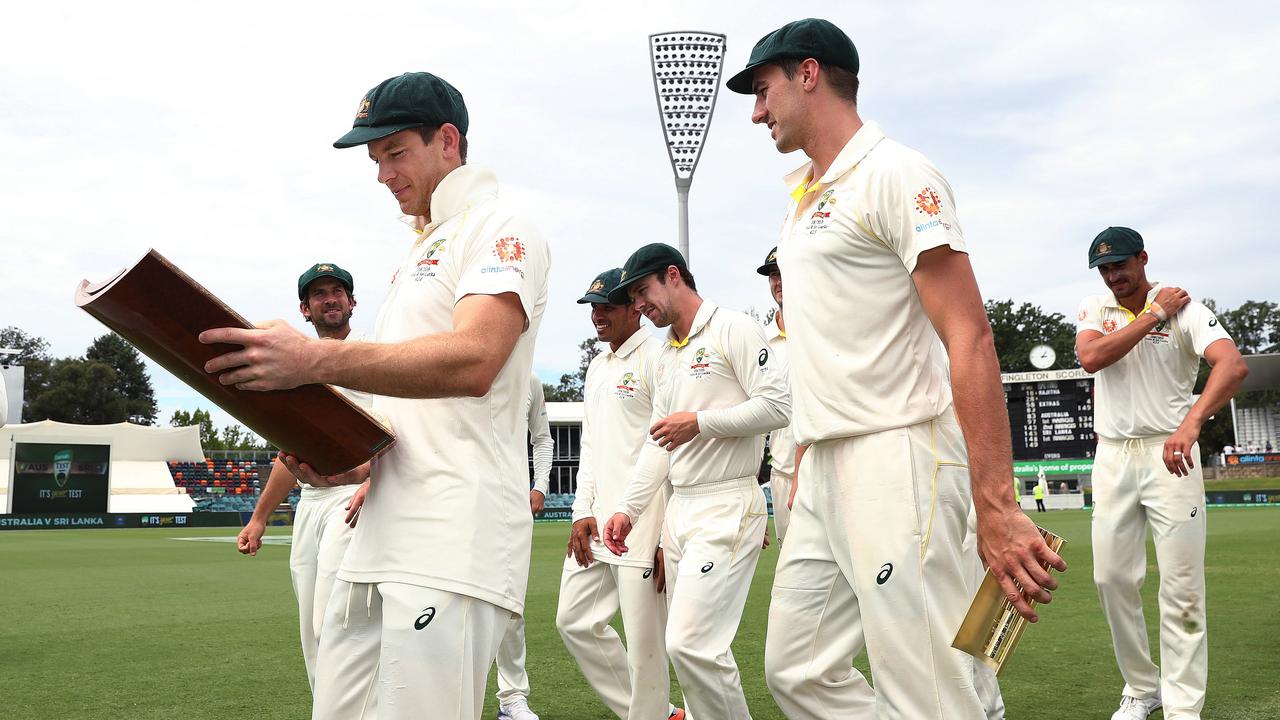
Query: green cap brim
pixel 594 298
pixel 767 268
pixel 1110 259
pixel 619 295
pixel 741 83
pixel 363 135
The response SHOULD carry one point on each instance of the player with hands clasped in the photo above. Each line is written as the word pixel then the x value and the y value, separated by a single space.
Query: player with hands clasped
pixel 1145 342
pixel 325 516
pixel 416 616
pixel 716 392
pixel 896 454
pixel 596 584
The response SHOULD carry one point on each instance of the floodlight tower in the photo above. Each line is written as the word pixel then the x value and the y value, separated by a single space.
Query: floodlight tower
pixel 686 79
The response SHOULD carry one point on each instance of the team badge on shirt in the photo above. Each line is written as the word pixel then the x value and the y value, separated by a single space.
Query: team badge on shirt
pixel 626 387
pixel 1083 314
pixel 1108 326
pixel 427 263
pixel 701 365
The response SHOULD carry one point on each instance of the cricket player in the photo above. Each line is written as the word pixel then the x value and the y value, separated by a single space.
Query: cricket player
pixel 513 681
pixel 1145 341
pixel 325 516
pixel 440 559
pixel 883 309
pixel 782 443
pixel 596 584
pixel 718 391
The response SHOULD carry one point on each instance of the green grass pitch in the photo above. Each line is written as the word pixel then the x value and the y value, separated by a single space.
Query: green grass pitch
pixel 133 624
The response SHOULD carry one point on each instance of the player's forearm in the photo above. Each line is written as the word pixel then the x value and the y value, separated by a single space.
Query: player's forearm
pixel 1222 384
pixel 650 472
pixel 980 409
pixel 755 416
pixel 543 450
pixel 1107 350
pixel 279 483
pixel 449 364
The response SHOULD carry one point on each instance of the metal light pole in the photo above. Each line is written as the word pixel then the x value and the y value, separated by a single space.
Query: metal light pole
pixel 686 80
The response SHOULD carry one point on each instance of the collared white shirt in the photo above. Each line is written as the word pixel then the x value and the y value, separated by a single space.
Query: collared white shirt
pixel 782 442
pixel 540 436
pixel 864 356
pixel 448 507
pixel 617 408
pixel 725 372
pixel 1148 391
pixel 365 401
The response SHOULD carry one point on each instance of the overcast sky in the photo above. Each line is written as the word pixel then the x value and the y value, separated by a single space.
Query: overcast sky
pixel 204 131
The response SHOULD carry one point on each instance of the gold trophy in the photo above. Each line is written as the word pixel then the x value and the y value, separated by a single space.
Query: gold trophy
pixel 992 627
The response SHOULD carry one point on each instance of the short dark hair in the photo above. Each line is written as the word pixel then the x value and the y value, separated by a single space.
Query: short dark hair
pixel 842 81
pixel 685 276
pixel 429 133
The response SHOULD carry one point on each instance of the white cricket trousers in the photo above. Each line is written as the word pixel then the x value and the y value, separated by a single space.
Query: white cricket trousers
pixel 1131 490
pixel 780 486
pixel 513 681
pixel 712 539
pixel 412 652
pixel 320 540
pixel 633 681
pixel 876 554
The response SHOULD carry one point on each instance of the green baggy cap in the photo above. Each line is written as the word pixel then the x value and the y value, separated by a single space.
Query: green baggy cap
pixel 770 263
pixel 320 270
pixel 1113 245
pixel 417 99
pixel 600 288
pixel 799 40
pixel 652 258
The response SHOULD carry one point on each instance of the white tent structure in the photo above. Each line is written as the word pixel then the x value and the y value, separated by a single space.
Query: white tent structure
pixel 138 476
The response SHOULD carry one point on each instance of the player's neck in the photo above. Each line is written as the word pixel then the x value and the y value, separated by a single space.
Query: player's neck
pixel 687 311
pixel 782 325
pixel 626 335
pixel 1137 300
pixel 338 334
pixel 827 141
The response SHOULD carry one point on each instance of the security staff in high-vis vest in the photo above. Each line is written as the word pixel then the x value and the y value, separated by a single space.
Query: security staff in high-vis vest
pixel 892 459
pixel 1144 341
pixel 1038 493
pixel 717 392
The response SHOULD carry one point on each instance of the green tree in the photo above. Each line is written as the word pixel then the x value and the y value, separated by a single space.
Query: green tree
pixel 80 391
pixel 572 384
pixel 132 381
pixel 1018 329
pixel 34 357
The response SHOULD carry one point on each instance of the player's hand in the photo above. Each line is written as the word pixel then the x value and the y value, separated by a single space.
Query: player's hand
pixel 1016 554
pixel 616 532
pixel 1172 299
pixel 659 570
pixel 308 475
pixel 675 430
pixel 356 502
pixel 537 501
pixel 1178 455
pixel 791 497
pixel 765 545
pixel 580 537
pixel 249 541
pixel 275 356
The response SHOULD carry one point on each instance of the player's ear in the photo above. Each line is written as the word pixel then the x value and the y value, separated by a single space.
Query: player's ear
pixel 808 72
pixel 306 311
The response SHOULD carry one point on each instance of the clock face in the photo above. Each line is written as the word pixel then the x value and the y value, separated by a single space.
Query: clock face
pixel 1043 357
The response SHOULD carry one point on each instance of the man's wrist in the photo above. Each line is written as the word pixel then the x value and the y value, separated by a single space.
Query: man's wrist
pixel 1156 309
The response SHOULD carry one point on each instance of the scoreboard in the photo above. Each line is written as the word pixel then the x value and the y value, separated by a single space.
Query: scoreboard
pixel 1050 414
pixel 60 478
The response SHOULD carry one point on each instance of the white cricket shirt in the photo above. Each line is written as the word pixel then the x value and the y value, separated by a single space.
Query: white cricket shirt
pixel 725 372
pixel 1148 391
pixel 863 355
pixel 616 410
pixel 359 397
pixel 448 507
pixel 540 436
pixel 782 442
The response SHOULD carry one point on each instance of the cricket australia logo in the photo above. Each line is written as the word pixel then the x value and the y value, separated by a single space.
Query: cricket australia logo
pixel 626 387
pixel 62 467
pixel 427 264
pixel 701 365
pixel 818 220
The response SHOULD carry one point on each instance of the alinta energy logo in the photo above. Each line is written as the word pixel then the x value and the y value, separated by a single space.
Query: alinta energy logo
pixel 929 204
pixel 509 249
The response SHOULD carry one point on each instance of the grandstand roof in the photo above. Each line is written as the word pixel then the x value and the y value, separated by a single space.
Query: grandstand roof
pixel 128 441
